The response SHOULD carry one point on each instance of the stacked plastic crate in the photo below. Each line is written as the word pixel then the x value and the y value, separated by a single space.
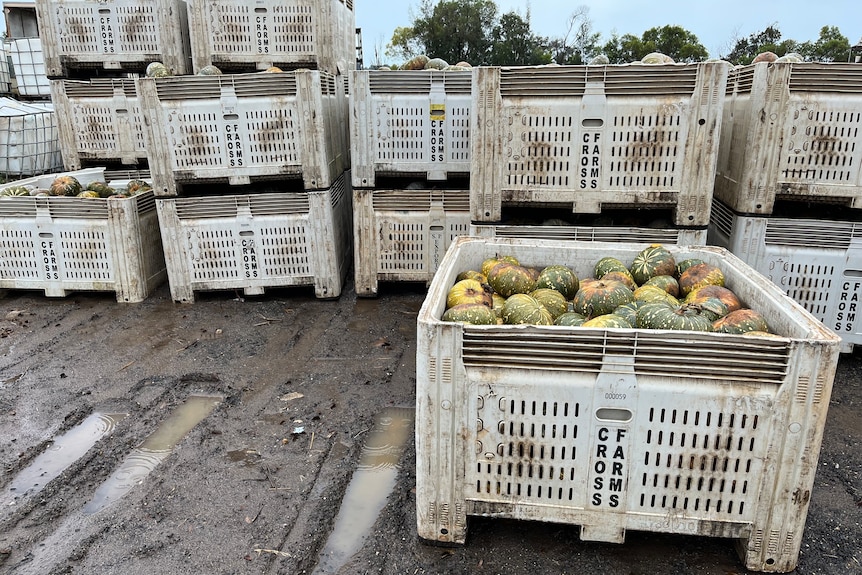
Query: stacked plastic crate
pixel 788 191
pixel 250 164
pixel 607 152
pixel 410 153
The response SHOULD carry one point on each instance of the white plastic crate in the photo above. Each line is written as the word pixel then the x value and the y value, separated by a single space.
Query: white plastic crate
pixel 591 137
pixel 791 130
pixel 817 262
pixel 626 234
pixel 126 35
pixel 28 65
pixel 257 241
pixel 236 128
pixel 5 69
pixel 29 139
pixel 242 36
pixel 66 244
pixel 409 123
pixel 401 235
pixel 621 429
pixel 99 120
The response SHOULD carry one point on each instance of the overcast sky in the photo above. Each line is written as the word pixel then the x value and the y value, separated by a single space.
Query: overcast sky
pixel 716 28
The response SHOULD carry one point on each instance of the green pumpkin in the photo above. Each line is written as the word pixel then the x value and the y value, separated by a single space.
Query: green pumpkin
pixel 497 302
pixel 599 297
pixel 560 278
pixel 653 293
pixel 554 301
pixel 741 321
pixel 88 194
pixel 700 275
pixel 65 186
pixel 521 308
pixel 608 264
pixel 471 275
pixel 468 291
pixel 508 279
pixel 665 316
pixel 685 264
pixel 472 313
pixel 489 263
pixel 608 320
pixel 15 191
pixel 654 260
pixel 667 283
pixel 101 188
pixel 711 307
pixel 570 318
pixel 727 296
pixel 629 311
pixel 621 276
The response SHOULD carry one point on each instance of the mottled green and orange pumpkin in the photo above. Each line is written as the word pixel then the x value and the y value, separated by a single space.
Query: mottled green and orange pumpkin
pixel 655 260
pixel 629 311
pixel 600 297
pixel 741 321
pixel 521 308
pixel 621 276
pixel 666 316
pixel 554 301
pixel 472 275
pixel 608 320
pixel 468 291
pixel 65 186
pixel 560 278
pixel 665 282
pixel 472 313
pixel 570 318
pixel 727 296
pixel 489 263
pixel 608 264
pixel 700 275
pixel 101 188
pixel 508 279
pixel 653 293
pixel 685 264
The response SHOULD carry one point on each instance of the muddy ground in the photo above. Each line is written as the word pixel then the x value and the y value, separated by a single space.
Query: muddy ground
pixel 256 486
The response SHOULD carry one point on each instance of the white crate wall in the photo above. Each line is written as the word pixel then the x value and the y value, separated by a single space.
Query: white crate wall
pixel 29 138
pixel 590 137
pixel 236 128
pixel 5 69
pixel 627 234
pixel 28 66
pixel 618 429
pixel 65 244
pixel 81 35
pixel 400 235
pixel 251 242
pixel 791 130
pixel 817 262
pixel 409 123
pixel 99 120
pixel 241 36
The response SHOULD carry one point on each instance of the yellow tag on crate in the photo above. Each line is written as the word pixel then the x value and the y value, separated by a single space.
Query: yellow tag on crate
pixel 437 112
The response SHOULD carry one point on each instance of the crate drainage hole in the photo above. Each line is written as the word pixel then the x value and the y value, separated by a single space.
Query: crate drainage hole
pixel 155 449
pixel 369 488
pixel 65 450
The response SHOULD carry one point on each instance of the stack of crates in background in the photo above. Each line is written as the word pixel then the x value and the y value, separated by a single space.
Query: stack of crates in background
pixel 598 152
pixel 93 50
pixel 242 36
pixel 251 173
pixel 410 154
pixel 26 59
pixel 788 190
pixel 62 244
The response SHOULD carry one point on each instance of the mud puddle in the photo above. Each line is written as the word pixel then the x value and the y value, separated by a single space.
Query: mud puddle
pixel 369 488
pixel 65 450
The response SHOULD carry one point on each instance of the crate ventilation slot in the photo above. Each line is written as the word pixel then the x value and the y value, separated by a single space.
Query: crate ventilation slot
pixel 636 235
pixel 99 88
pixel 212 87
pixel 628 81
pixel 722 218
pixel 838 77
pixel 230 206
pixel 399 82
pixel 421 200
pixel 812 233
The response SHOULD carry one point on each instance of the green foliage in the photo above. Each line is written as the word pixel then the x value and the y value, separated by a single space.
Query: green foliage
pixel 514 44
pixel 673 41
pixel 745 49
pixel 456 30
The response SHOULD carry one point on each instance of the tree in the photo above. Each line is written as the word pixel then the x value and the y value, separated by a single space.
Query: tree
pixel 514 44
pixel 404 44
pixel 579 43
pixel 624 49
pixel 745 49
pixel 676 42
pixel 456 30
pixel 831 46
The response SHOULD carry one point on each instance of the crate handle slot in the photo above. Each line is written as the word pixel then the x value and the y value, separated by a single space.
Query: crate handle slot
pixel 592 122
pixel 853 273
pixel 46 235
pixel 246 233
pixel 104 11
pixel 260 10
pixel 231 116
pixel 613 414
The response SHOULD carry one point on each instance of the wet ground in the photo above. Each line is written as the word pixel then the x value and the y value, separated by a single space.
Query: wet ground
pixel 274 434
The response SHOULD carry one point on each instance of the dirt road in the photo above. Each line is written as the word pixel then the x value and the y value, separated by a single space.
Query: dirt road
pixel 291 389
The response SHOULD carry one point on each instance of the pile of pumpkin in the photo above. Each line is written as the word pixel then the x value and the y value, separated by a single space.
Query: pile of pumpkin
pixel 653 292
pixel 68 185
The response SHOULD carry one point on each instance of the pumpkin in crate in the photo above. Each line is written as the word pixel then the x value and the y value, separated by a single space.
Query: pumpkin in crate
pixel 65 186
pixel 560 278
pixel 608 320
pixel 654 260
pixel 468 291
pixel 653 293
pixel 472 313
pixel 508 279
pixel 521 308
pixel 554 301
pixel 497 302
pixel 608 264
pixel 712 307
pixel 700 275
pixel 599 297
pixel 727 296
pixel 472 275
pixel 685 264
pixel 667 316
pixel 621 276
pixel 570 318
pixel 741 321
pixel 667 283
pixel 629 311
pixel 15 191
pixel 489 263
pixel 101 188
